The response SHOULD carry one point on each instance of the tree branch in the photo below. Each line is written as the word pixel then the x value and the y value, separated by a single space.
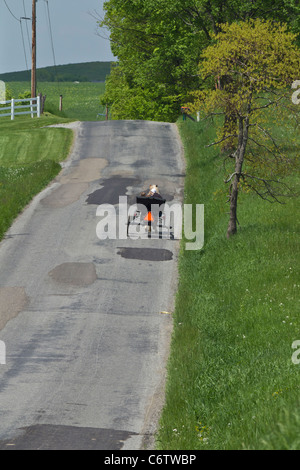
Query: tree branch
pixel 222 140
pixel 263 146
pixel 230 177
pixel 270 191
pixel 265 132
pixel 271 103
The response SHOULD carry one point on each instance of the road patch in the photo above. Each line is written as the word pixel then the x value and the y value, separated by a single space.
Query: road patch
pixel 86 171
pixel 74 182
pixel 146 254
pixel 64 195
pixel 74 274
pixel 60 437
pixel 112 189
pixel 12 301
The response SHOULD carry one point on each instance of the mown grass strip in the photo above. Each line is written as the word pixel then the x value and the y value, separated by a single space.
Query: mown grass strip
pixel 231 380
pixel 18 185
pixel 29 160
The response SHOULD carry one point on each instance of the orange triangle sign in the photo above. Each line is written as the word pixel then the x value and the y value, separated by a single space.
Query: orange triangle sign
pixel 149 217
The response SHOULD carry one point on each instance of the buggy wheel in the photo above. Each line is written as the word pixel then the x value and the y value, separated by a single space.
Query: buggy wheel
pixel 130 219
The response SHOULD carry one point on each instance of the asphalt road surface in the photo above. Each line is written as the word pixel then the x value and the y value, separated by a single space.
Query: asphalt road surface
pixel 85 321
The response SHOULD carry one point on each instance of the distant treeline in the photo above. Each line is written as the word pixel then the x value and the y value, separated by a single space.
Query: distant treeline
pixel 83 72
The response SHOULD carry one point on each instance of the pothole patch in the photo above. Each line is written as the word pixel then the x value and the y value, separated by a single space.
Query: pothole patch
pixel 86 171
pixel 146 254
pixel 65 195
pixel 112 189
pixel 74 274
pixel 74 182
pixel 12 301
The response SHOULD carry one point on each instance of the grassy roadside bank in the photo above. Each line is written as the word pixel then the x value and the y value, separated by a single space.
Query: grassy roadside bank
pixel 232 383
pixel 29 160
pixel 29 152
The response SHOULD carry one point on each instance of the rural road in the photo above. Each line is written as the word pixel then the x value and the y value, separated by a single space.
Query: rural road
pixel 84 320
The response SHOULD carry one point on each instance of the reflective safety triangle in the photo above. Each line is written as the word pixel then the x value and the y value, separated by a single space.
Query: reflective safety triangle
pixel 148 217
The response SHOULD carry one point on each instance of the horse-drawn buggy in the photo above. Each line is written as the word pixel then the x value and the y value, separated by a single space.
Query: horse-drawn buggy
pixel 148 212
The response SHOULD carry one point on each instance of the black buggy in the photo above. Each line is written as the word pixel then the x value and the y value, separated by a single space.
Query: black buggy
pixel 149 214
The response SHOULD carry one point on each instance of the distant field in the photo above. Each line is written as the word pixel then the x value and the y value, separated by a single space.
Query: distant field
pixel 81 101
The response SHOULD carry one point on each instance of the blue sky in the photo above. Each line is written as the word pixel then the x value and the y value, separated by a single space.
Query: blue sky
pixel 74 34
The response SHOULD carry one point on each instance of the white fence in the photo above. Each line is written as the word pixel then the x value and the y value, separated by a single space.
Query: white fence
pixel 33 106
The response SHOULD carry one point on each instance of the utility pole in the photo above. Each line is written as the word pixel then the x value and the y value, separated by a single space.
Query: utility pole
pixel 33 66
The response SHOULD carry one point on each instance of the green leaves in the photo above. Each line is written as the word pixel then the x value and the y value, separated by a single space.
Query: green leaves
pixel 249 57
pixel 251 64
pixel 159 42
pixel 157 56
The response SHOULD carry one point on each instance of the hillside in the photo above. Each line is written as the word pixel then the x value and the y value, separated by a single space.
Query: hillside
pixel 83 72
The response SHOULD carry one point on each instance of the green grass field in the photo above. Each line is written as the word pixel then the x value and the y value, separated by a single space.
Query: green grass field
pixel 29 160
pixel 30 152
pixel 231 380
pixel 81 101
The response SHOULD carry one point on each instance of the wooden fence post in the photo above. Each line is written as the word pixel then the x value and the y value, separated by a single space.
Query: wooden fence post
pixel 43 103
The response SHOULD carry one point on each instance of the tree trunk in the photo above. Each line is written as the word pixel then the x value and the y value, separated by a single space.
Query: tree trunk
pixel 231 117
pixel 229 128
pixel 239 159
pixel 232 227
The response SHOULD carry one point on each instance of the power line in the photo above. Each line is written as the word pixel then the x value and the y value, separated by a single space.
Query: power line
pixel 25 17
pixel 24 48
pixel 52 43
pixel 50 32
pixel 17 19
pixel 22 33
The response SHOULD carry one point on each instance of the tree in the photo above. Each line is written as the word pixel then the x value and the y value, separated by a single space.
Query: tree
pixel 158 44
pixel 258 61
pixel 208 15
pixel 128 102
pixel 157 58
